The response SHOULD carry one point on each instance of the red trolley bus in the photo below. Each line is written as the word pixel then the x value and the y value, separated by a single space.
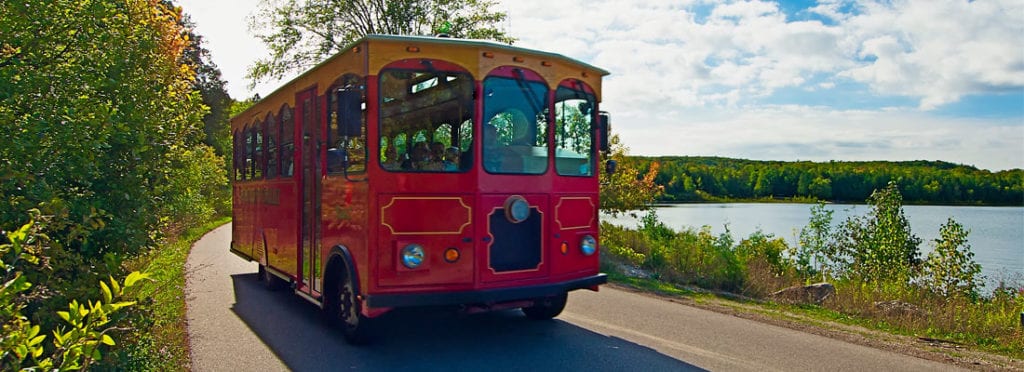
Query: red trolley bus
pixel 413 171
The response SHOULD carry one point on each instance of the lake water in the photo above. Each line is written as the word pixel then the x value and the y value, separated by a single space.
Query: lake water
pixel 996 234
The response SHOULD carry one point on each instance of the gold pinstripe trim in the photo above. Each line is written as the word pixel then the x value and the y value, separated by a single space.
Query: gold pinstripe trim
pixel 539 265
pixel 558 208
pixel 469 216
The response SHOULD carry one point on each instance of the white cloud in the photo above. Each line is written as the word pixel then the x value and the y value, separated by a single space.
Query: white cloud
pixel 937 51
pixel 684 83
pixel 822 134
pixel 933 51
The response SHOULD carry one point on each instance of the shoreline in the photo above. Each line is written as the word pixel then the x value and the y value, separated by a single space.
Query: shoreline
pixel 800 201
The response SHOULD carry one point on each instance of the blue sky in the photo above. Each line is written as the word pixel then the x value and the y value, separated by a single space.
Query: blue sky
pixel 790 80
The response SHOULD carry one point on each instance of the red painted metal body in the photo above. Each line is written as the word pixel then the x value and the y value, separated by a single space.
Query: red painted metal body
pixel 295 219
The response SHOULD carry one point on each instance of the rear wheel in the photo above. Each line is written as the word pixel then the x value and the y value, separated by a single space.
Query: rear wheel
pixel 343 310
pixel 546 307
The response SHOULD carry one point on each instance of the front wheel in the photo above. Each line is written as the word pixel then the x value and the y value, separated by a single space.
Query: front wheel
pixel 547 307
pixel 344 312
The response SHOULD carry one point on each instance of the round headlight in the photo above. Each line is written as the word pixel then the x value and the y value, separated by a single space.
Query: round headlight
pixel 517 209
pixel 413 256
pixel 588 245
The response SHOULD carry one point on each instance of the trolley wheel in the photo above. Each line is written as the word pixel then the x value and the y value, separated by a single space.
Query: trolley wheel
pixel 343 311
pixel 270 281
pixel 547 307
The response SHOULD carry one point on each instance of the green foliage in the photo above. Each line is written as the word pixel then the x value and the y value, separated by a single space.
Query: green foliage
pixel 685 257
pixel 101 128
pixel 814 253
pixel 986 322
pixel 301 33
pixel 869 259
pixel 93 118
pixel 624 244
pixel 211 87
pixel 773 250
pixel 237 107
pixel 87 326
pixel 198 174
pixel 630 188
pixel 921 182
pixel 159 341
pixel 880 247
pixel 950 269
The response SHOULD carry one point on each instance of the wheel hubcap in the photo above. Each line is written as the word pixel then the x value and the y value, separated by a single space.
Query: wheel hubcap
pixel 348 306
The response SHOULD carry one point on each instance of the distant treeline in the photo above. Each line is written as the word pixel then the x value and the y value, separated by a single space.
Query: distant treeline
pixel 694 179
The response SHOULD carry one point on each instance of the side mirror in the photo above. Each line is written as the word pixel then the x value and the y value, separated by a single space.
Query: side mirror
pixel 603 128
pixel 611 166
pixel 350 113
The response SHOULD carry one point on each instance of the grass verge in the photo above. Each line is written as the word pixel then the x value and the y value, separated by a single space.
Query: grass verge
pixel 161 341
pixel 830 323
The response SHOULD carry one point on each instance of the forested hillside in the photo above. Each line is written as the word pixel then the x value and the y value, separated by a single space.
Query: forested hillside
pixel 688 179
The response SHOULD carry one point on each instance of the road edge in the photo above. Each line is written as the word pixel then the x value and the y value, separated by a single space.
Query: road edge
pixel 935 351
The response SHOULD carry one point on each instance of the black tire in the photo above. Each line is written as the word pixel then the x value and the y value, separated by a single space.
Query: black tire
pixel 344 311
pixel 547 307
pixel 270 281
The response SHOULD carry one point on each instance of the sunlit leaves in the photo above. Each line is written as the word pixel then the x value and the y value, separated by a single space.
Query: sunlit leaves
pixel 101 102
pixel 627 190
pixel 301 33
pixel 131 279
pixel 85 326
pixel 96 109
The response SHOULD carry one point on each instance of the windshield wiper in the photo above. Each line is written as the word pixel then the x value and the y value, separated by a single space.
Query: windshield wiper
pixel 532 98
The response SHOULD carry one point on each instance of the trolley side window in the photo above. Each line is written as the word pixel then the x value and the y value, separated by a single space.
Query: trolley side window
pixel 287 142
pixel 346 152
pixel 238 156
pixel 271 137
pixel 575 108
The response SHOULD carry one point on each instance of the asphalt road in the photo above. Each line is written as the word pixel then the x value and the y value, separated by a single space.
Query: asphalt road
pixel 234 324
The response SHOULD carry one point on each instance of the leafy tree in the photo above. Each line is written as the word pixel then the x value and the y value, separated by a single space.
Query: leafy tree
pixel 97 101
pixel 950 268
pixel 820 188
pixel 211 87
pixel 629 188
pixel 880 246
pixel 216 129
pixel 99 124
pixel 815 252
pixel 713 178
pixel 237 107
pixel 301 33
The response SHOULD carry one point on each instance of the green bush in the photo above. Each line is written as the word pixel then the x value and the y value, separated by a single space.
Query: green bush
pixel 813 253
pixel 879 247
pixel 950 269
pixel 85 329
pixel 871 260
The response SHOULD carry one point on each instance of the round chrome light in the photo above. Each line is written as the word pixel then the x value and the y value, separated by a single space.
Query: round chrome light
pixel 517 209
pixel 588 245
pixel 413 256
